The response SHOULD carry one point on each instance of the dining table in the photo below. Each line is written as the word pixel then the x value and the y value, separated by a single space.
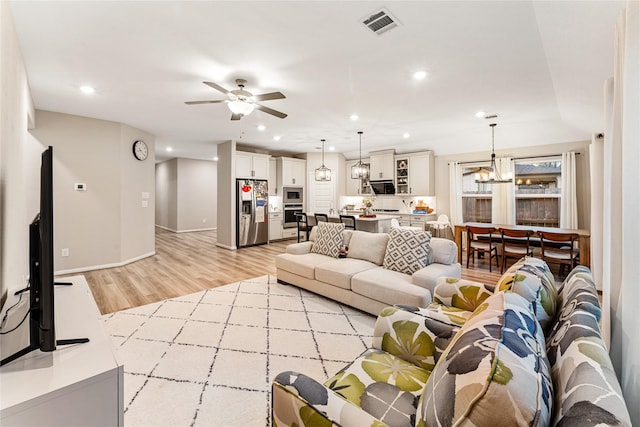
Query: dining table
pixel 584 236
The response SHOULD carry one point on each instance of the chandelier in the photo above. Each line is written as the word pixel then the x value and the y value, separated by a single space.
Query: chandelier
pixel 493 176
pixel 323 173
pixel 360 170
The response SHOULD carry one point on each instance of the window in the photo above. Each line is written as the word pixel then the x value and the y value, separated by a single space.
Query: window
pixel 538 193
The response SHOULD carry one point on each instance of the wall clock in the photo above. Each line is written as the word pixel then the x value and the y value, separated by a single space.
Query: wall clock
pixel 140 150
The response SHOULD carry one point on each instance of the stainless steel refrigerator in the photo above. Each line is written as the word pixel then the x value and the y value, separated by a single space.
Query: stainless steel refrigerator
pixel 252 226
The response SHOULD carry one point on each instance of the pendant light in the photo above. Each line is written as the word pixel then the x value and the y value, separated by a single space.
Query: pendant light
pixel 323 173
pixel 493 177
pixel 360 170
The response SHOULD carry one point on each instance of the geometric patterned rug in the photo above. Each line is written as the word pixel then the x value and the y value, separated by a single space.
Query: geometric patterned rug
pixel 208 359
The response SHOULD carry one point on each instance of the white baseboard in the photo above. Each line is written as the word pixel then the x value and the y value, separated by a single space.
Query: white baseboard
pixel 186 231
pixel 231 248
pixel 100 267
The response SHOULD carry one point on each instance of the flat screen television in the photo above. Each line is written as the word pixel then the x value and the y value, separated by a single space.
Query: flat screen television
pixel 42 334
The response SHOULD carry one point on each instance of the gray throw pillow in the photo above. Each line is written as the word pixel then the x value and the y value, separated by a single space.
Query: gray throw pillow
pixel 328 239
pixel 408 250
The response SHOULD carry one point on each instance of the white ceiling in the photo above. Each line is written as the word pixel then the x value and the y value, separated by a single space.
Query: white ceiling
pixel 539 65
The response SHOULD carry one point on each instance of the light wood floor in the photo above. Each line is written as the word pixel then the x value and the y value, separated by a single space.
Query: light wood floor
pixel 190 262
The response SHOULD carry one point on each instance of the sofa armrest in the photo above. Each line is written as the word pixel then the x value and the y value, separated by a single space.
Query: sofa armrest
pixel 412 334
pixel 299 400
pixel 299 248
pixel 460 293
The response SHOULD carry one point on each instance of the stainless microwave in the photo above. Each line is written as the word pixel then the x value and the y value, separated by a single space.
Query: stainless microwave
pixel 292 195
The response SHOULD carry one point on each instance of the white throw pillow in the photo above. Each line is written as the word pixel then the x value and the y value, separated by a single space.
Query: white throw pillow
pixel 328 239
pixel 368 246
pixel 408 250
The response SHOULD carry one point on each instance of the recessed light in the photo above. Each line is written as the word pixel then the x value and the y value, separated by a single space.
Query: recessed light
pixel 215 159
pixel 169 149
pixel 276 138
pixel 406 135
pixel 261 127
pixel 87 89
pixel 332 148
pixel 354 117
pixel 480 114
pixel 419 75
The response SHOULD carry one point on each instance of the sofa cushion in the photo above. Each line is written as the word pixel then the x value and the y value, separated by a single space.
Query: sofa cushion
pixel 383 385
pixel 407 250
pixel 495 372
pixel 368 246
pixel 531 278
pixel 428 277
pixel 445 251
pixel 585 384
pixel 302 265
pixel 389 287
pixel 328 239
pixel 338 272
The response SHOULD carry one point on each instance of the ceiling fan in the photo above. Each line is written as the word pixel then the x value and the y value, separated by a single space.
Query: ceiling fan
pixel 242 102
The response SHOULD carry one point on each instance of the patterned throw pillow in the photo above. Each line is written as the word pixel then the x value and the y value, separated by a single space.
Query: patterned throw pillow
pixel 328 239
pixel 408 250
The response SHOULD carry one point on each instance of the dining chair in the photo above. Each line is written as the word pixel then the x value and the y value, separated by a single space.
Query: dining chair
pixel 349 221
pixel 321 217
pixel 479 240
pixel 303 225
pixel 559 248
pixel 515 244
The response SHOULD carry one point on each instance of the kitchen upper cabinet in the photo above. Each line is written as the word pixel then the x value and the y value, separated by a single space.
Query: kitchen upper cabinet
pixel 355 187
pixel 422 174
pixel 415 174
pixel 273 186
pixel 291 172
pixel 252 165
pixel 381 165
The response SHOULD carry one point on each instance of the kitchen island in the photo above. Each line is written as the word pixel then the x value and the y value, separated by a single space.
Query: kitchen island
pixel 381 223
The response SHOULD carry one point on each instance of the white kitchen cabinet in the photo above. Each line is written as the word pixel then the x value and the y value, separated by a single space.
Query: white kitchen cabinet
pixel 381 165
pixel 291 171
pixel 421 174
pixel 275 225
pixel 415 174
pixel 252 165
pixel 273 186
pixel 289 233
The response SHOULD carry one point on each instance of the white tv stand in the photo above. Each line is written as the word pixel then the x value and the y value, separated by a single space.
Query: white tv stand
pixel 76 385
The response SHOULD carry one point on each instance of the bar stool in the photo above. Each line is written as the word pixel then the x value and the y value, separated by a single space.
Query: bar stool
pixel 321 217
pixel 349 221
pixel 303 225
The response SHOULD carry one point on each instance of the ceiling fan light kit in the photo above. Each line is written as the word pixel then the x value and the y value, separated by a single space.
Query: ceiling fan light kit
pixel 242 102
pixel 360 170
pixel 493 177
pixel 323 173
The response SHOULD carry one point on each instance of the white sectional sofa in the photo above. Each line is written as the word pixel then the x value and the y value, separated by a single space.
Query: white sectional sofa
pixel 360 280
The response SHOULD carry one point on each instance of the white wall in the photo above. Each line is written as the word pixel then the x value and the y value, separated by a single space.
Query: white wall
pixel 105 225
pixel 582 162
pixel 19 159
pixel 186 195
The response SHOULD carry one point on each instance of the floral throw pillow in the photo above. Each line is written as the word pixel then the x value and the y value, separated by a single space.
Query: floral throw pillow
pixel 408 250
pixel 328 239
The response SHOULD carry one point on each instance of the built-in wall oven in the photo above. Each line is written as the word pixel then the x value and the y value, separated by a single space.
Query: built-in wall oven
pixel 292 195
pixel 290 211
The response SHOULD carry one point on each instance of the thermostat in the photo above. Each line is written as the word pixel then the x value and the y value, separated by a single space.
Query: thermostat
pixel 80 186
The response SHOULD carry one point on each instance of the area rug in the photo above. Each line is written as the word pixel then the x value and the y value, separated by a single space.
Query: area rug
pixel 209 358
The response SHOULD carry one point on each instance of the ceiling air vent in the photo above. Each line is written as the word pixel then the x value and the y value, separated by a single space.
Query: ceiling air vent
pixel 380 21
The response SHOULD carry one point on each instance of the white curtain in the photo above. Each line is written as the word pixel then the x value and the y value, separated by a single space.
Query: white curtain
pixel 621 235
pixel 569 201
pixel 455 193
pixel 503 200
pixel 596 164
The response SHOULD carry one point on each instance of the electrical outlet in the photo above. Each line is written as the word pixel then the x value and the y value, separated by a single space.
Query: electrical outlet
pixel 65 251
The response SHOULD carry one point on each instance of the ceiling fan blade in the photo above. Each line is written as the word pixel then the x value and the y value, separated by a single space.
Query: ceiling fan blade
pixel 236 116
pixel 205 102
pixel 271 111
pixel 269 96
pixel 216 87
